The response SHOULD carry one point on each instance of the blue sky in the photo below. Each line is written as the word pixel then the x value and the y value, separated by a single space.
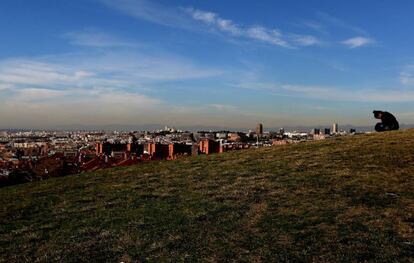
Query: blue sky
pixel 213 63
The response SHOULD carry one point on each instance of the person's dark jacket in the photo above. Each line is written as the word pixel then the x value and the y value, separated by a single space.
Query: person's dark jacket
pixel 389 122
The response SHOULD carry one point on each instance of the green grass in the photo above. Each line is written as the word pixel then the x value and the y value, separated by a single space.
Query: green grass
pixel 349 199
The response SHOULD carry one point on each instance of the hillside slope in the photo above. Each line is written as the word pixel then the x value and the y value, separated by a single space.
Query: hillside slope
pixel 346 199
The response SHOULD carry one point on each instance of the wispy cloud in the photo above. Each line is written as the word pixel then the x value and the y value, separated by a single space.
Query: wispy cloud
pixel 362 38
pixel 93 37
pixel 215 20
pixel 303 40
pixel 255 32
pixel 361 95
pixel 336 22
pixel 316 26
pixel 271 36
pixel 356 42
pixel 183 18
pixel 32 72
pixel 31 81
pixel 407 75
pixel 151 11
pixel 108 69
pixel 327 93
pixel 92 87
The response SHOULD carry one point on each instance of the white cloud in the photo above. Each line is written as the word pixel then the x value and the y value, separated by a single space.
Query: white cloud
pixel 206 17
pixel 304 40
pixel 255 32
pixel 272 36
pixel 33 72
pixel 259 33
pixel 183 18
pixel 95 38
pixel 215 20
pixel 228 26
pixel 109 69
pixel 174 17
pixel 102 88
pixel 357 42
pixel 151 12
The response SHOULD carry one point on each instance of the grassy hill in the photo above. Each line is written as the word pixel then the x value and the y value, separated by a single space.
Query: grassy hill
pixel 346 199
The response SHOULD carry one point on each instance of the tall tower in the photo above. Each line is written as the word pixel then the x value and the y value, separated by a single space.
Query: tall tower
pixel 259 129
pixel 335 128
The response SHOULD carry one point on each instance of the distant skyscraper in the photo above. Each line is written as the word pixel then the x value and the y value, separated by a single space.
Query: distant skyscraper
pixel 335 128
pixel 315 131
pixel 259 129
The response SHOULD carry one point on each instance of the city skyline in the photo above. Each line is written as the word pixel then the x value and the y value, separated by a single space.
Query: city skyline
pixel 31 155
pixel 188 63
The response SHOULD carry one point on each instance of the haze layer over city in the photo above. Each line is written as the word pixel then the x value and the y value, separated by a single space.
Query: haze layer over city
pixel 137 64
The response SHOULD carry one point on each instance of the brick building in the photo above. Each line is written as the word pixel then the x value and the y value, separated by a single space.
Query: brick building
pixel 158 150
pixel 207 146
pixel 180 149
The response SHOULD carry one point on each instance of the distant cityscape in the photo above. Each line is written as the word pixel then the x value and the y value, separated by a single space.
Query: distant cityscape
pixel 37 155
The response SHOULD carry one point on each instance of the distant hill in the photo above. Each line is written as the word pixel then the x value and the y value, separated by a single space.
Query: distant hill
pixel 349 199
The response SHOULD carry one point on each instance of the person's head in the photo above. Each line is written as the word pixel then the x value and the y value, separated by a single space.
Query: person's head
pixel 377 114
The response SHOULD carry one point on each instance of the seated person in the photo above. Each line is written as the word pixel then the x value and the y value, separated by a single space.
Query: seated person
pixel 388 121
